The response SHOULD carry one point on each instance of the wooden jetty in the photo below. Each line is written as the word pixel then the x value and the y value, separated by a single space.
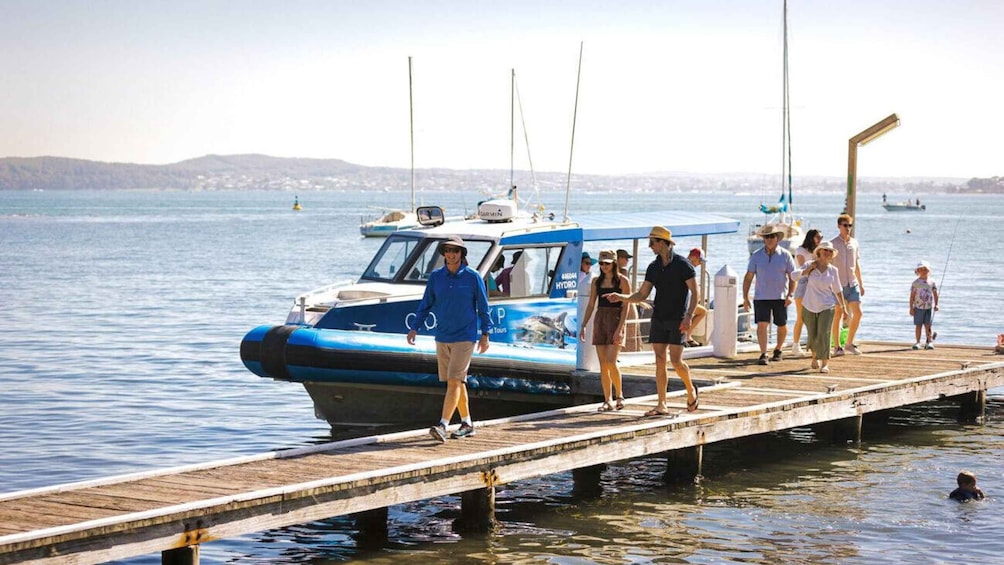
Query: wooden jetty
pixel 174 510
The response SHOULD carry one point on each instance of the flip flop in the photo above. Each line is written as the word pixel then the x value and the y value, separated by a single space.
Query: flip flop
pixel 605 407
pixel 692 343
pixel 657 412
pixel 692 405
pixel 620 403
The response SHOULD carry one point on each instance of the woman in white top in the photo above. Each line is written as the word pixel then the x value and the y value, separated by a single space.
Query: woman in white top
pixel 803 254
pixel 823 293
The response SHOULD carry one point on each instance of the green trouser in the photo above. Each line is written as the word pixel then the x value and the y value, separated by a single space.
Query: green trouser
pixel 817 326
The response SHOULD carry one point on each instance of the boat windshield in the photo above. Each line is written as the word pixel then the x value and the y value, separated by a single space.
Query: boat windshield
pixel 409 259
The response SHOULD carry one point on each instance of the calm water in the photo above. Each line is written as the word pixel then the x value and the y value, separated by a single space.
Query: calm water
pixel 123 313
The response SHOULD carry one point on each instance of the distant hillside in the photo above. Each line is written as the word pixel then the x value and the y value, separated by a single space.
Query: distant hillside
pixel 211 171
pixel 262 172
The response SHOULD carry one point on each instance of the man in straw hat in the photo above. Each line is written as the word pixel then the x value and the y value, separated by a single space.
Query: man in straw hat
pixel 674 279
pixel 771 266
pixel 456 294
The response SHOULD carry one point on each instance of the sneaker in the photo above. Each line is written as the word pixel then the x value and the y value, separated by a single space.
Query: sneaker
pixel 929 345
pixel 465 430
pixel 763 359
pixel 852 349
pixel 916 345
pixel 824 369
pixel 796 350
pixel 438 433
pixel 776 356
pixel 837 352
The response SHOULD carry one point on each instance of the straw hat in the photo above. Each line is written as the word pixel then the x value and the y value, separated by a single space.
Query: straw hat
pixel 771 229
pixel 659 232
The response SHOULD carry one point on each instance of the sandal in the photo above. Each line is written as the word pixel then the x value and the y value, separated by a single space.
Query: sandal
pixel 657 412
pixel 692 405
pixel 620 403
pixel 692 343
pixel 605 407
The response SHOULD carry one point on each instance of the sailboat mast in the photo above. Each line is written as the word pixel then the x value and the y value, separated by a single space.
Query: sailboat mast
pixel 575 114
pixel 512 126
pixel 411 127
pixel 786 104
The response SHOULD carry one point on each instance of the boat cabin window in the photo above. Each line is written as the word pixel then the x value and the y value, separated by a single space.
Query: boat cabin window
pixel 412 260
pixel 530 271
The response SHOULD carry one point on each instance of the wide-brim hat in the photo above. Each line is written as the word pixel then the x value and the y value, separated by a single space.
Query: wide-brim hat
pixel 659 232
pixel 585 257
pixel 824 245
pixel 607 256
pixel 771 229
pixel 455 241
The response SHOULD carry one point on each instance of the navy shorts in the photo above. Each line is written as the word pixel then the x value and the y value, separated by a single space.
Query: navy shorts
pixel 764 310
pixel 666 331
pixel 923 316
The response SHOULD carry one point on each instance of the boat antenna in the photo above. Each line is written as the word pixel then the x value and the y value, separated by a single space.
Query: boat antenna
pixel 575 113
pixel 411 127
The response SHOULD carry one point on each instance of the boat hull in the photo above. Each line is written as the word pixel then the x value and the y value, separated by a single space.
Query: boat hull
pixel 904 207
pixel 370 378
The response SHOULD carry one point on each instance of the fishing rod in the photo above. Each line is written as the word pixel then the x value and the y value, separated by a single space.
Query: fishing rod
pixel 948 257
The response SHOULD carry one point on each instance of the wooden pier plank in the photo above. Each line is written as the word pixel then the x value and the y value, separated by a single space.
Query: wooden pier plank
pixel 154 513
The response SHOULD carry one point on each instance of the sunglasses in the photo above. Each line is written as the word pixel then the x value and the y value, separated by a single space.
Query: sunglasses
pixel 770 236
pixel 451 250
pixel 653 241
pixel 847 225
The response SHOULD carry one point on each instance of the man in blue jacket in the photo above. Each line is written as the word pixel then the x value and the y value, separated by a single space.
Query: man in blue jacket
pixel 456 294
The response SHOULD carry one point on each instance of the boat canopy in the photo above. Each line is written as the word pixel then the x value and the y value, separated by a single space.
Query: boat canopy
pixel 637 225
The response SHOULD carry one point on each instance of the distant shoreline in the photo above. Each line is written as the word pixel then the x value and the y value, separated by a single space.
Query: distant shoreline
pixel 262 172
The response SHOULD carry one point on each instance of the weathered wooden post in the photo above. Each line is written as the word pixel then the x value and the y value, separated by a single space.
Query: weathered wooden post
pixel 973 407
pixel 477 511
pixel 840 431
pixel 372 526
pixel 684 465
pixel 188 555
pixel 586 481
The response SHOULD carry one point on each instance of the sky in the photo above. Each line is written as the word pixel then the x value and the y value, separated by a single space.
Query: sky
pixel 665 85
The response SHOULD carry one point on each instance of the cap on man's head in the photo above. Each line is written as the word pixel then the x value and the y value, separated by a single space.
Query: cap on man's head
pixel 623 254
pixel 699 253
pixel 659 232
pixel 586 257
pixel 454 241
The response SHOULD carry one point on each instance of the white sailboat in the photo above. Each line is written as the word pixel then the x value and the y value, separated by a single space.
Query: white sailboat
pixel 396 220
pixel 782 213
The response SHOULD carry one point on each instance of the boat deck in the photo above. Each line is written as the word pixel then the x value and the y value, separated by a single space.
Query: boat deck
pixel 166 509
